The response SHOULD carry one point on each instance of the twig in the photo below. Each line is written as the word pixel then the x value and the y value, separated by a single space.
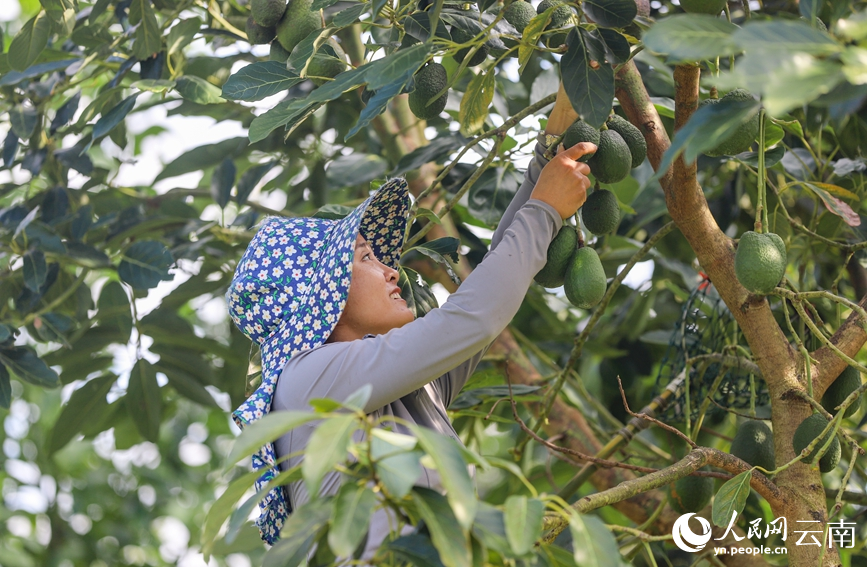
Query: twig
pixel 652 419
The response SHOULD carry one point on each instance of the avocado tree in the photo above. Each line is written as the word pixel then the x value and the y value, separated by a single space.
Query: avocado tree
pixel 726 380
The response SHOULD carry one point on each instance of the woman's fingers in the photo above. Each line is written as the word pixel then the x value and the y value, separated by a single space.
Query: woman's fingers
pixel 578 150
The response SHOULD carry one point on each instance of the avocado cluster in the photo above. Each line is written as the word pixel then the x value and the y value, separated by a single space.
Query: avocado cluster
pixel 760 261
pixel 754 444
pixel 560 17
pixel 519 13
pixel 847 382
pixel 262 23
pixel 574 266
pixel 742 138
pixel 619 147
pixel 809 430
pixel 690 494
pixel 423 100
pixel 298 22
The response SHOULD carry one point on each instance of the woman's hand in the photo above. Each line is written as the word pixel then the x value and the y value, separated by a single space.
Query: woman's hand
pixel 563 182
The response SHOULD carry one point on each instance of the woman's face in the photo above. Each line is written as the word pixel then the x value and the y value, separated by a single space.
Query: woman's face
pixel 374 305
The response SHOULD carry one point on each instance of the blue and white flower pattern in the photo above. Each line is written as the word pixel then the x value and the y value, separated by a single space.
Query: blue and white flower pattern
pixel 287 294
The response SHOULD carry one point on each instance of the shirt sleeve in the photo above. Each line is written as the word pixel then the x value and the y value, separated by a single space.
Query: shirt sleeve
pixel 405 359
pixel 450 384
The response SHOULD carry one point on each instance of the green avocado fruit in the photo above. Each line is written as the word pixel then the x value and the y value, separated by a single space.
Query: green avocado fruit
pixel 809 430
pixel 267 12
pixel 277 53
pixel 760 261
pixel 585 281
pixel 690 494
pixel 754 444
pixel 462 36
pixel 579 132
pixel 327 63
pixel 258 35
pixel 429 80
pixel 632 136
pixel 613 160
pixel 600 212
pixel 559 17
pixel 559 253
pixel 847 382
pixel 741 139
pixel 298 22
pixel 519 14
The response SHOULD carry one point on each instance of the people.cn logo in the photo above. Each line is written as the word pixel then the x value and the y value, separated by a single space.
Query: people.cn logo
pixel 688 540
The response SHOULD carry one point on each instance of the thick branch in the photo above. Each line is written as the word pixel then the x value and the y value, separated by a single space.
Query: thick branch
pixel 849 338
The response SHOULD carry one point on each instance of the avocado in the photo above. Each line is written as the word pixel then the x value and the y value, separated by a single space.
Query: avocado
pixel 298 22
pixel 612 160
pixel 519 14
pixel 267 12
pixel 809 430
pixel 754 444
pixel 847 382
pixel 632 136
pixel 277 53
pixel 585 282
pixel 429 80
pixel 600 212
pixel 579 132
pixel 760 261
pixel 327 63
pixel 742 138
pixel 462 36
pixel 258 35
pixel 559 253
pixel 712 7
pixel 559 17
pixel 690 493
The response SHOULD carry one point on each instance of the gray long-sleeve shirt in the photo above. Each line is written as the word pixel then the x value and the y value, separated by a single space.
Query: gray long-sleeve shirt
pixel 416 371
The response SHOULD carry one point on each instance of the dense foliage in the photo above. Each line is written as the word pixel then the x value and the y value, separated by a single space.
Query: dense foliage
pixel 118 366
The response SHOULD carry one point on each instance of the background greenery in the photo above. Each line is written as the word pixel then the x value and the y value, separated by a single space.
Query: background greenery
pixel 117 370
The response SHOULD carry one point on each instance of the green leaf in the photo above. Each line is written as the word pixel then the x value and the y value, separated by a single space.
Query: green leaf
pixel 186 385
pixel 326 448
pixel 320 4
pixel 399 64
pixel 222 181
pixel 86 404
pixel 198 90
pixel 145 264
pixel 29 42
pixel 790 36
pixel 617 47
pixel 438 149
pixel 772 158
pixel 490 528
pixel 492 193
pixel 148 37
pixel 588 81
pixel 476 102
pixel 144 400
pixel 5 388
pixel 414 549
pixel 731 498
pixel 691 37
pixel 345 17
pixel 298 534
pixel 705 129
pixel 265 430
pixel 303 52
pixel 530 36
pixel 350 519
pixel 593 544
pixel 415 291
pixel 22 120
pixel 15 77
pixel 35 270
pixel 611 13
pixel 202 157
pixel 281 115
pixel 24 363
pixel 114 310
pixel 154 85
pixel 108 121
pixel 357 400
pixel 355 169
pixel 396 461
pixel 259 80
pixel 181 34
pixel 451 542
pixel 445 246
pixel 453 471
pixel 62 15
pixel 249 180
pixel 376 105
pixel 222 508
pixel 523 522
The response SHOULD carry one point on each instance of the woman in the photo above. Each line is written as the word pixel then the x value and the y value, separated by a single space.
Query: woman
pixel 320 297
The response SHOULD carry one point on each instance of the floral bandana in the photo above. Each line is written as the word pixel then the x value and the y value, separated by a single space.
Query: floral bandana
pixel 288 292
